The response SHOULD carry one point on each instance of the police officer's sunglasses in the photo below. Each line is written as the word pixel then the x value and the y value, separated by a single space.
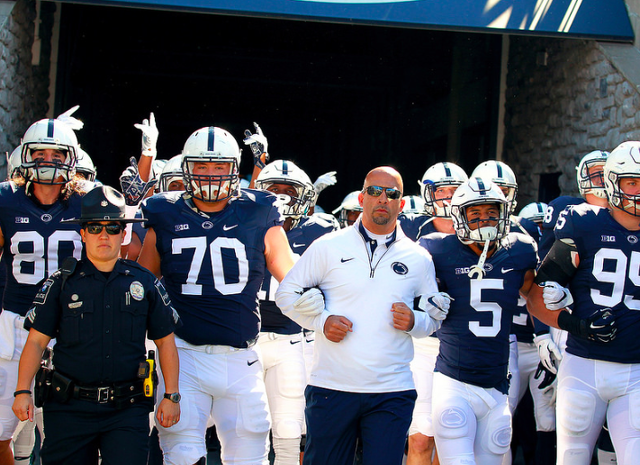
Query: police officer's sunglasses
pixel 376 191
pixel 96 228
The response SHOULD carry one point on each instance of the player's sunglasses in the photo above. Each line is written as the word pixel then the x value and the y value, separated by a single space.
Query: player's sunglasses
pixel 376 191
pixel 96 228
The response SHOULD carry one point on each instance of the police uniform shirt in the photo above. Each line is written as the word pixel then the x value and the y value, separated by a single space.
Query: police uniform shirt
pixel 35 242
pixel 607 277
pixel 300 238
pixel 213 263
pixel 474 338
pixel 100 323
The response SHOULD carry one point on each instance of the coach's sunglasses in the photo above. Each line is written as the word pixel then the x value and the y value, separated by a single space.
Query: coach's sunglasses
pixel 96 228
pixel 376 191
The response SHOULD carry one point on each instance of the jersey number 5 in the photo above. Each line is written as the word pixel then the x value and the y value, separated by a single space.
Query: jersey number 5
pixel 477 285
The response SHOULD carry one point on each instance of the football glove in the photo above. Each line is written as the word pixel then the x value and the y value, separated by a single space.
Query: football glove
pixel 555 296
pixel 310 302
pixel 436 305
pixel 324 181
pixel 133 187
pixel 600 326
pixel 258 144
pixel 149 136
pixel 548 351
pixel 71 121
pixel 547 381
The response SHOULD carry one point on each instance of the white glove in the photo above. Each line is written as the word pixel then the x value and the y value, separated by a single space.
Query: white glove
pixel 72 122
pixel 436 305
pixel 555 296
pixel 548 351
pixel 324 181
pixel 258 144
pixel 310 303
pixel 149 136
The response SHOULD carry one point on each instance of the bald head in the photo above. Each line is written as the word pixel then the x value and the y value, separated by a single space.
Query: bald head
pixel 379 213
pixel 391 176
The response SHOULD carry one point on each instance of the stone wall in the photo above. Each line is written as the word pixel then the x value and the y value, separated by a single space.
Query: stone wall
pixel 564 99
pixel 24 87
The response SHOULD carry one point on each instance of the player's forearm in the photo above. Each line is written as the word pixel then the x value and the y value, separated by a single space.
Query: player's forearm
pixel 537 309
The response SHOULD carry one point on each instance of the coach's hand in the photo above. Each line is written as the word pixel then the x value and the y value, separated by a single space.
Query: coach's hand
pixel 336 328
pixel 403 317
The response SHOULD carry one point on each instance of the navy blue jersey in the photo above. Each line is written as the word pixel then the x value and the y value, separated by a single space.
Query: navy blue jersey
pixel 608 276
pixel 35 242
pixel 474 338
pixel 556 206
pixel 411 224
pixel 213 264
pixel 300 238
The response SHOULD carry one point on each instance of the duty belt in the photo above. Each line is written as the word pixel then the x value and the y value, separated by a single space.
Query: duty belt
pixel 105 394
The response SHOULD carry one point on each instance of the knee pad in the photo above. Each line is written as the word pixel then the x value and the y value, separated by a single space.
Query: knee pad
pixel 576 453
pixel 287 429
pixel 253 418
pixel 580 406
pixel 634 410
pixel 453 423
pixel 182 454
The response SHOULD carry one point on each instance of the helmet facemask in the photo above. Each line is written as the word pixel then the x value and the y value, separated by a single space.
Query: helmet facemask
pixel 207 187
pixel 591 179
pixel 441 207
pixel 54 172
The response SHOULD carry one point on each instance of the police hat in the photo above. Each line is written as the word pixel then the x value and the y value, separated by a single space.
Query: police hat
pixel 103 203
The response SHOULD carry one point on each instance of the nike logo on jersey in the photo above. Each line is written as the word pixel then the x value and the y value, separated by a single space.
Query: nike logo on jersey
pixel 294 342
pixel 229 228
pixel 298 245
pixel 345 260
pixel 252 362
pixel 506 270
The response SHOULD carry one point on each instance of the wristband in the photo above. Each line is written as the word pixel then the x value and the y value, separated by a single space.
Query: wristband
pixel 572 324
pixel 22 391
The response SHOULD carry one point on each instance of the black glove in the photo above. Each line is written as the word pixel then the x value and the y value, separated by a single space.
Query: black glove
pixel 548 378
pixel 133 187
pixel 600 326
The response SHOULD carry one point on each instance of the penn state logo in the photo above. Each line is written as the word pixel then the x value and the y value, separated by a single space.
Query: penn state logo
pixel 137 290
pixel 46 217
pixel 632 239
pixel 207 225
pixel 399 268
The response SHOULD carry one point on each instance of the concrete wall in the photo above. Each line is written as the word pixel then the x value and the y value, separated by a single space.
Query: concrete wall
pixel 565 98
pixel 23 85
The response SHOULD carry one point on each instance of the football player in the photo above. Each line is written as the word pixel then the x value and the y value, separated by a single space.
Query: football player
pixel 280 340
pixel 211 245
pixel 484 270
pixel 349 210
pixel 438 185
pixel 35 243
pixel 596 254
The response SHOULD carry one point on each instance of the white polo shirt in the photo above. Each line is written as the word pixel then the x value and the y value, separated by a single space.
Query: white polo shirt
pixel 374 357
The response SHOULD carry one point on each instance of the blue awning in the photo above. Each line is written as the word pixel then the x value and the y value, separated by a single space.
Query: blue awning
pixel 592 19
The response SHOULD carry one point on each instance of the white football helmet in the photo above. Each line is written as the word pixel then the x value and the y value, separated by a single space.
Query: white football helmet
pixel 501 174
pixel 287 172
pixel 440 175
pixel 478 191
pixel 211 145
pixel 49 134
pixel 171 172
pixel 534 211
pixel 14 161
pixel 413 204
pixel 623 162
pixel 592 183
pixel 85 166
pixel 349 204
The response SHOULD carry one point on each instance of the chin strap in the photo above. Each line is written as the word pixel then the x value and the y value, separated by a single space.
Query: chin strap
pixel 479 268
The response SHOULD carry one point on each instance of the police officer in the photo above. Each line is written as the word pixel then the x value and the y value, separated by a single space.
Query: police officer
pixel 99 309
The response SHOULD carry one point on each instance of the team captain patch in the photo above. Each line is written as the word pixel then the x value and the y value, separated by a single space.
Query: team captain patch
pixel 137 290
pixel 41 296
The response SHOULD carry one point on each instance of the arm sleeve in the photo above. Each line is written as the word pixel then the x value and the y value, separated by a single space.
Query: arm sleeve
pixel 306 273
